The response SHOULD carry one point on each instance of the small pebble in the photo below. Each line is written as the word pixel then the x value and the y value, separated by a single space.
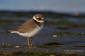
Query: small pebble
pixel 17 46
pixel 54 36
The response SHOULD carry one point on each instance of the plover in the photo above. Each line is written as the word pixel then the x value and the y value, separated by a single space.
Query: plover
pixel 30 28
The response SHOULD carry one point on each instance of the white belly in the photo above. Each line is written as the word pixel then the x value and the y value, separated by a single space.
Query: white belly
pixel 30 34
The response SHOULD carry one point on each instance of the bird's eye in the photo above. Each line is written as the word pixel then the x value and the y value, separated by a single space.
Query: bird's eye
pixel 39 18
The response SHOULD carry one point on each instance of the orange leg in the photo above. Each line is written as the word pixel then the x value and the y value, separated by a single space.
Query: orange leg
pixel 30 42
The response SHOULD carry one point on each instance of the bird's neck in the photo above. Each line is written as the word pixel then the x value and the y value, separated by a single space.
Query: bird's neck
pixel 38 23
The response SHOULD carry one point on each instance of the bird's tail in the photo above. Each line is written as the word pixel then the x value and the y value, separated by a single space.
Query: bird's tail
pixel 12 31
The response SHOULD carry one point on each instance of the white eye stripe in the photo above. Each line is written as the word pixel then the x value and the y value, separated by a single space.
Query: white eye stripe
pixel 37 17
pixel 37 20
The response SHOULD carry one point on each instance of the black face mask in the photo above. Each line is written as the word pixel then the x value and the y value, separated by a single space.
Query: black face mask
pixel 39 18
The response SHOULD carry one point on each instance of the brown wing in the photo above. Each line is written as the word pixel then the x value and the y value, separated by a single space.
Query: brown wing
pixel 27 26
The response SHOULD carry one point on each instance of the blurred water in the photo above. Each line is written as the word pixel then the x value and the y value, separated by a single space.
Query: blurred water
pixel 46 34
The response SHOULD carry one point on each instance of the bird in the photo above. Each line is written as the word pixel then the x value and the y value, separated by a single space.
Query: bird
pixel 30 28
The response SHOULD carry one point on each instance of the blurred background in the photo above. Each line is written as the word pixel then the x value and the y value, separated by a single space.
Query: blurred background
pixel 64 29
pixel 51 5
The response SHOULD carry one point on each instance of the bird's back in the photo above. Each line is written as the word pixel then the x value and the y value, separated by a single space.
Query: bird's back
pixel 28 26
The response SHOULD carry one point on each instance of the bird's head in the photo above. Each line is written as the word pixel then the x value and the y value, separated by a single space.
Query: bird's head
pixel 38 18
